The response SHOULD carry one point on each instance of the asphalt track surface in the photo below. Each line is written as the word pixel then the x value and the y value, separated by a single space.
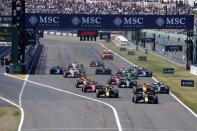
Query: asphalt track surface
pixel 51 110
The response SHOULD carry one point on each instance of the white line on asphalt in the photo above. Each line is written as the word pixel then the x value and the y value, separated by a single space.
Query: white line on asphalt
pixel 21 109
pixel 114 110
pixel 190 110
pixel 92 129
pixel 89 98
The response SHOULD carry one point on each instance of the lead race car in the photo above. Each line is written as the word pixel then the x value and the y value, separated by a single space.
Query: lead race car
pixel 96 63
pixel 107 55
pixel 144 93
pixel 107 91
pixel 103 71
pixel 56 70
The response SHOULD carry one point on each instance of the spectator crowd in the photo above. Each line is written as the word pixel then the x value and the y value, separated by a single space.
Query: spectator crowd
pixel 126 7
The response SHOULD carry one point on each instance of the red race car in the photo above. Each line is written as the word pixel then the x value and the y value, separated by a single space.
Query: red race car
pixel 114 80
pixel 89 86
pixel 107 55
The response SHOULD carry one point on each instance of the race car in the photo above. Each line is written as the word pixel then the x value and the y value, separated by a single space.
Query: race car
pixel 107 91
pixel 89 86
pixel 107 55
pixel 160 88
pixel 80 81
pixel 144 93
pixel 103 71
pixel 141 72
pixel 56 70
pixel 96 63
pixel 114 80
pixel 82 72
pixel 71 73
pixel 127 83
pixel 76 65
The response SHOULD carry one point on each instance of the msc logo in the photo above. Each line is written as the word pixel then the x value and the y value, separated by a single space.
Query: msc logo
pixel 128 21
pixel 33 20
pixel 75 21
pixel 170 21
pixel 160 21
pixel 175 21
pixel 91 20
pixel 117 21
pixel 44 20
pixel 86 20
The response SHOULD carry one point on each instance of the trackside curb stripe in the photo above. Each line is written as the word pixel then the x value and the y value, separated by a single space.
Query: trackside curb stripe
pixel 190 110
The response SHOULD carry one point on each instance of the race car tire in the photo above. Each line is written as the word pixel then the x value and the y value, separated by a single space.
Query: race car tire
pixel 116 93
pixel 98 95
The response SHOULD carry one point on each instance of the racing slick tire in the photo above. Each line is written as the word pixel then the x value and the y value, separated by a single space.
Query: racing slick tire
pixel 116 93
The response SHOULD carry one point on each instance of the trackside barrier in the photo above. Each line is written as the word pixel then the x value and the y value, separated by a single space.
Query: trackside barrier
pixel 131 53
pixel 33 55
pixel 142 58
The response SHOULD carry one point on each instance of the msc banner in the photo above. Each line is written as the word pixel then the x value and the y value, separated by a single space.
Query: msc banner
pixel 109 22
pixel 5 19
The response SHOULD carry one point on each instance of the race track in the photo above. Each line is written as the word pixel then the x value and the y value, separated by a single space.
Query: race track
pixel 49 109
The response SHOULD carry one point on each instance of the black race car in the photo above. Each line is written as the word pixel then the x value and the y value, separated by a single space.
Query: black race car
pixel 107 91
pixel 127 83
pixel 56 70
pixel 96 63
pixel 103 71
pixel 148 96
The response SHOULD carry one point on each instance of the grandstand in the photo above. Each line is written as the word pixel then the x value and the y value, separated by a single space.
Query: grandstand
pixel 126 7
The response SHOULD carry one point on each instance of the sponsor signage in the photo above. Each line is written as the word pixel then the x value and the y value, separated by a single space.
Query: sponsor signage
pixel 172 48
pixel 168 70
pixel 105 35
pixel 187 83
pixel 111 22
pixel 148 40
pixel 123 48
pixel 142 58
pixel 5 19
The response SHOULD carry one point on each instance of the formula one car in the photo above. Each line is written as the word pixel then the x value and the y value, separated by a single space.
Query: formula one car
pixel 80 81
pixel 127 83
pixel 107 91
pixel 103 71
pixel 71 73
pixel 141 72
pixel 144 93
pixel 96 63
pixel 89 86
pixel 160 88
pixel 107 55
pixel 56 70
pixel 76 65
pixel 114 80
pixel 82 72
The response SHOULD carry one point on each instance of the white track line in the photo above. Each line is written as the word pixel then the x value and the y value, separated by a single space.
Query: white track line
pixel 21 109
pixel 89 98
pixel 190 110
pixel 21 93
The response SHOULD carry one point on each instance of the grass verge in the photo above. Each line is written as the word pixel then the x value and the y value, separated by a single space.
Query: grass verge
pixel 156 64
pixel 9 118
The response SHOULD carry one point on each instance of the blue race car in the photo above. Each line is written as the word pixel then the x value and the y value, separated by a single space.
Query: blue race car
pixel 56 70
